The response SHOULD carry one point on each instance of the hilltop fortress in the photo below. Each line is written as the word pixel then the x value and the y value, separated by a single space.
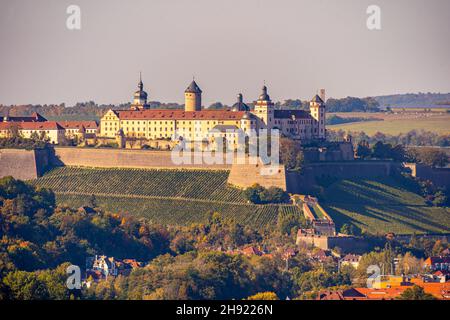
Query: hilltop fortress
pixel 165 128
pixel 205 127
pixel 193 124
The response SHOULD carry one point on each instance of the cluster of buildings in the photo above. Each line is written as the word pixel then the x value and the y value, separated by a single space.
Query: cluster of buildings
pixel 202 126
pixel 101 267
pixel 193 124
pixel 391 288
pixel 39 127
pixel 435 280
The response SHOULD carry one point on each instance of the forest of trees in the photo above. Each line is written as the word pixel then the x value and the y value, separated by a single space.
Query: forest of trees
pixel 352 104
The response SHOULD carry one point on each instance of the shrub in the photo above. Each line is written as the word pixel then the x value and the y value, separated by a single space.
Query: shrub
pixel 257 194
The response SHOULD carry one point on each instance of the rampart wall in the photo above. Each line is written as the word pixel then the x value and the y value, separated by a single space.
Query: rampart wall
pixel 301 183
pixel 439 176
pixel 22 164
pixel 125 158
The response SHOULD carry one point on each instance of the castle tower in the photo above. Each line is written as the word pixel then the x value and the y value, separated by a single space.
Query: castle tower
pixel 193 97
pixel 140 97
pixel 120 139
pixel 317 110
pixel 322 95
pixel 240 105
pixel 264 109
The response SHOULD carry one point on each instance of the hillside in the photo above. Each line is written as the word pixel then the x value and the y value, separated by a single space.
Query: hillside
pixel 166 196
pixel 183 197
pixel 383 205
pixel 413 100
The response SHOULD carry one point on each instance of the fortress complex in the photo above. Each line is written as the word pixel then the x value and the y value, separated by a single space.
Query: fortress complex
pixel 195 124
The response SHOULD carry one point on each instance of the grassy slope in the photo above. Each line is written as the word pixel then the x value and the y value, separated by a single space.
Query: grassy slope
pixel 383 205
pixel 166 196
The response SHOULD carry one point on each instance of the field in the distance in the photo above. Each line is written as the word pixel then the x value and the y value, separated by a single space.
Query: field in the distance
pixel 395 124
pixel 166 196
pixel 380 205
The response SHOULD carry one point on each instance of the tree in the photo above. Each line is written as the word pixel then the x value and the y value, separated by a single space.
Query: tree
pixel 264 296
pixel 92 201
pixel 257 194
pixel 409 264
pixel 440 199
pixel 13 130
pixel 415 293
pixel 287 222
pixel 216 106
pixel 274 195
pixel 429 156
pixel 363 150
pixel 380 150
pixel 291 154
pixel 398 153
pixel 25 286
pixel 349 229
pixel 253 193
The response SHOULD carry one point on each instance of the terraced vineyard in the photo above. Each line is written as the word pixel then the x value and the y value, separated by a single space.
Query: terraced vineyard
pixel 383 205
pixel 195 184
pixel 165 196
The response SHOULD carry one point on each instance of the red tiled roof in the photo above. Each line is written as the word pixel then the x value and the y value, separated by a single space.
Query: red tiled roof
pixel 78 124
pixel 35 117
pixel 47 125
pixel 252 251
pixel 159 114
pixel 439 290
pixel 132 263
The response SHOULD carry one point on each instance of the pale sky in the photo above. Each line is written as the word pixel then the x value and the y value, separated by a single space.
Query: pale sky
pixel 231 46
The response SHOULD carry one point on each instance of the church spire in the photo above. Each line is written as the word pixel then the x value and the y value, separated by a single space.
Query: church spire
pixel 140 85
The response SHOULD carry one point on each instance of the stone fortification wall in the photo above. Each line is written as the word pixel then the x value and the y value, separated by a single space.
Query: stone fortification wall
pixel 301 183
pixel 253 171
pixel 18 163
pixel 439 176
pixel 124 158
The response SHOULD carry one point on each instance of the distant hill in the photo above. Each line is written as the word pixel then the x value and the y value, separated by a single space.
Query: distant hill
pixel 414 100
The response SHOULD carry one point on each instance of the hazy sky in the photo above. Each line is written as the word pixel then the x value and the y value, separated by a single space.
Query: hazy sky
pixel 230 46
